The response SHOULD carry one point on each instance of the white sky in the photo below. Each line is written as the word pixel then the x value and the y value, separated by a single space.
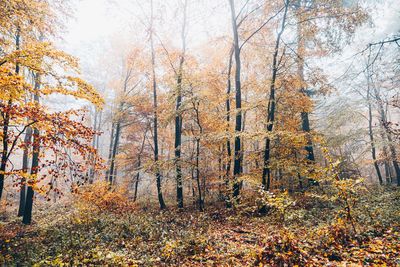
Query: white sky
pixel 96 20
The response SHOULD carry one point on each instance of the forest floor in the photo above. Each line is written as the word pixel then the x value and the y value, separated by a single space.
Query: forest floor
pixel 113 231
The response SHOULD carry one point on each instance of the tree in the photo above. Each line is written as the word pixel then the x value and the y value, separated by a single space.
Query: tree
pixel 20 114
pixel 266 175
pixel 155 117
pixel 237 169
pixel 178 116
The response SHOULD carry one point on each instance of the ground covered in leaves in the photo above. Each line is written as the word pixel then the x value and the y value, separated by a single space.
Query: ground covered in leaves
pixel 112 231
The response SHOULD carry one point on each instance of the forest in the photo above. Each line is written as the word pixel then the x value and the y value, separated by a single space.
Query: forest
pixel 200 133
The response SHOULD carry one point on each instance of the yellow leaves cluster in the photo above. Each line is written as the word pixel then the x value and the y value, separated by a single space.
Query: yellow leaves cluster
pixel 169 249
pixel 78 88
pixel 12 86
pixel 99 197
pixel 31 16
pixel 42 58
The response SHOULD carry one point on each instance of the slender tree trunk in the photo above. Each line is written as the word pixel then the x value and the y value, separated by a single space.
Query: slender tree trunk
pixel 178 143
pixel 27 217
pixel 371 134
pixel 25 167
pixel 178 116
pixel 155 119
pixel 201 202
pixel 305 122
pixel 238 98
pixel 92 169
pixel 96 146
pixel 4 153
pixel 386 164
pixel 99 128
pixel 228 121
pixel 112 171
pixel 394 159
pixel 266 175
pixel 110 150
pixel 6 122
pixel 392 148
pixel 198 139
pixel 139 163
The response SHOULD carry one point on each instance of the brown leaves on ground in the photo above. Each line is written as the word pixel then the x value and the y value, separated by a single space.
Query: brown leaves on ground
pixel 105 228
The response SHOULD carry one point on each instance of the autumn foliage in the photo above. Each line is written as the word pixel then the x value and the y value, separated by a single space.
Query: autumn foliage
pixel 256 142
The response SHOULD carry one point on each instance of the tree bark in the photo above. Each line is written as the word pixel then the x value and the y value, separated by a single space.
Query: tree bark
pixel 25 167
pixel 392 148
pixel 301 47
pixel 178 115
pixel 155 118
pixel 112 171
pixel 266 175
pixel 6 122
pixel 92 169
pixel 4 153
pixel 228 121
pixel 200 200
pixel 371 134
pixel 198 139
pixel 110 150
pixel 238 98
pixel 139 163
pixel 27 217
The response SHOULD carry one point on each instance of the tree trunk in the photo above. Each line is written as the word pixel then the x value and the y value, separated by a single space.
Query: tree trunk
pixel 25 167
pixel 266 175
pixel 139 163
pixel 387 167
pixel 110 150
pixel 238 98
pixel 201 202
pixel 4 152
pixel 394 158
pixel 155 119
pixel 301 47
pixel 371 134
pixel 112 170
pixel 27 217
pixel 228 120
pixel 201 196
pixel 6 122
pixel 178 115
pixel 92 169
pixel 392 149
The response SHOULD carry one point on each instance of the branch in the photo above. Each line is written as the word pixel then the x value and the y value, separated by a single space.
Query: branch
pixel 241 10
pixel 259 28
pixel 395 39
pixel 17 137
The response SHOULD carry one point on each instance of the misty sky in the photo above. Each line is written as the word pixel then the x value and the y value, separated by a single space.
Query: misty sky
pixel 98 21
pixel 97 24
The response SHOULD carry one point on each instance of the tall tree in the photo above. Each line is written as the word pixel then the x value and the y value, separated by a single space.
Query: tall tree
pixel 266 175
pixel 25 168
pixel 370 130
pixel 27 216
pixel 178 115
pixel 237 169
pixel 384 121
pixel 155 117
pixel 6 121
pixel 139 165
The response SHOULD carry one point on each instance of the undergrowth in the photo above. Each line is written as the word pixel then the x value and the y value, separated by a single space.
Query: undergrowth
pixel 303 229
